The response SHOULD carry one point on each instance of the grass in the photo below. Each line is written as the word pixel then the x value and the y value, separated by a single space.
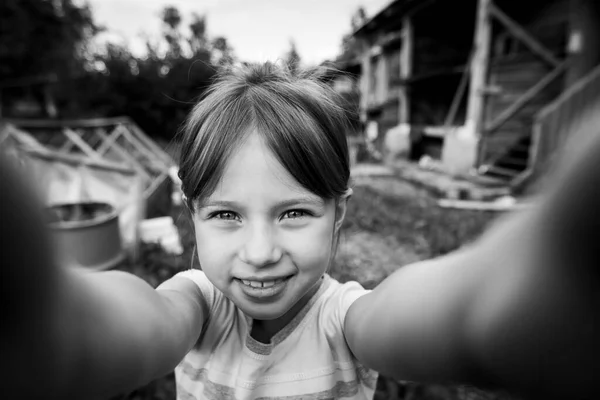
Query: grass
pixel 389 224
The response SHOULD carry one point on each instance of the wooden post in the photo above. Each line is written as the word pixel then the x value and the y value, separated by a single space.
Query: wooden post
pixel 406 63
pixel 518 32
pixel 479 73
pixel 462 146
pixel 479 68
pixel 365 83
pixel 584 40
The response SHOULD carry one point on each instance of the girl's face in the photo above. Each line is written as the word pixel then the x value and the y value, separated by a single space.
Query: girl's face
pixel 263 240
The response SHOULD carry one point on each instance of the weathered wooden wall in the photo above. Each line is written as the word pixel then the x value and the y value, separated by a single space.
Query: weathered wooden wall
pixel 514 69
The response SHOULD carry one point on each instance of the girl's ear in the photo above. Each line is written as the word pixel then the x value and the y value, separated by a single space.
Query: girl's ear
pixel 340 209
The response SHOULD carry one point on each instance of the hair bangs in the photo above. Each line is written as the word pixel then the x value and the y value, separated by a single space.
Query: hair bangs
pixel 216 127
pixel 306 136
pixel 298 117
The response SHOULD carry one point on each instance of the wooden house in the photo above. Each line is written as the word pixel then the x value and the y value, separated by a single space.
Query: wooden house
pixel 487 86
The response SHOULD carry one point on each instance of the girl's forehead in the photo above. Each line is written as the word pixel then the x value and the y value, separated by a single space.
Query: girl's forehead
pixel 253 171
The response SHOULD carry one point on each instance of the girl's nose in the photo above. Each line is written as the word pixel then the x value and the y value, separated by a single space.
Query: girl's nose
pixel 261 248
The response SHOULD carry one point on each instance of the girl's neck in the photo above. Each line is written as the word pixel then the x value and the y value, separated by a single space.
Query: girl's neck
pixel 264 330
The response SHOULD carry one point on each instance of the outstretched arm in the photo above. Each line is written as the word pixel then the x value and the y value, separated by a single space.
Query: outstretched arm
pixel 80 333
pixel 518 309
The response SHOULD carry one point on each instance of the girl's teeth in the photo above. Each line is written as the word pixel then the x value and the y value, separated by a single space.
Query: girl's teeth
pixel 258 284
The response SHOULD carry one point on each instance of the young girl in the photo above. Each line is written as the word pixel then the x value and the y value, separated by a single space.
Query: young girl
pixel 265 174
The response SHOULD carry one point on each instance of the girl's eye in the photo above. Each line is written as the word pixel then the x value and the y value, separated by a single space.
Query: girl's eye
pixel 225 215
pixel 294 214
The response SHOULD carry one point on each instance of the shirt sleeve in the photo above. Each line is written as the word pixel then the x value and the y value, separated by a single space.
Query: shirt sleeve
pixel 342 299
pixel 346 295
pixel 206 287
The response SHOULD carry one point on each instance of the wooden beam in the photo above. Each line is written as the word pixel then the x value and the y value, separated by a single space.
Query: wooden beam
pixel 71 123
pixel 479 67
pixel 66 147
pixel 526 97
pixel 129 159
pixel 458 95
pixel 584 39
pixel 79 142
pixel 518 32
pixel 569 92
pixel 108 141
pixel 157 150
pixel 406 64
pixel 155 184
pixel 76 160
pixel 143 147
pixel 406 52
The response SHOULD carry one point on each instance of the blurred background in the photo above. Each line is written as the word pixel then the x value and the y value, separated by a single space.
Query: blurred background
pixel 460 111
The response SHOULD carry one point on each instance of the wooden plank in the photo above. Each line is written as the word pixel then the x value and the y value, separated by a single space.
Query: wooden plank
pixel 155 184
pixel 140 146
pixel 406 64
pixel 502 204
pixel 76 160
pixel 518 32
pixel 72 123
pixel 159 152
pixel 462 86
pixel 569 92
pixel 479 67
pixel 66 147
pixel 80 143
pixel 526 97
pixel 109 140
pixel 506 172
pixel 126 157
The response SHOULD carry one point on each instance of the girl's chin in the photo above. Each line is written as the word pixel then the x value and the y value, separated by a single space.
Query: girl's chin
pixel 265 312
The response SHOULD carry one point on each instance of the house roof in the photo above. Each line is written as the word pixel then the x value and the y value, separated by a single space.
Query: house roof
pixel 389 14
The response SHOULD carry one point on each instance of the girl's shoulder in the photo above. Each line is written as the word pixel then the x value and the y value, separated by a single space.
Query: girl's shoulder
pixel 208 290
pixel 337 300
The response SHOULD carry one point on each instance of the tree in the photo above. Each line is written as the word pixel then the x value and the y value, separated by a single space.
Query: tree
pixel 359 18
pixel 198 40
pixel 40 37
pixel 172 20
pixel 222 52
pixel 292 57
pixel 158 89
pixel 349 44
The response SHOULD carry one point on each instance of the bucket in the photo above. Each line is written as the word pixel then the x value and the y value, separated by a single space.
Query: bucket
pixel 86 234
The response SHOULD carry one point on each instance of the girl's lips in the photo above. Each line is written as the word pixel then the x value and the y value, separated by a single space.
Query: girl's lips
pixel 264 292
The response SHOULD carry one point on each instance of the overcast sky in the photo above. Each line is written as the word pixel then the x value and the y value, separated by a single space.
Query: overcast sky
pixel 258 30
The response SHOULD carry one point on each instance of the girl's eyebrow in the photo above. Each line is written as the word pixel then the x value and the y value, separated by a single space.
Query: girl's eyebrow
pixel 314 201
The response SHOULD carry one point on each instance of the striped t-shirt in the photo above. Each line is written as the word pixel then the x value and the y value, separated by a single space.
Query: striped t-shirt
pixel 307 359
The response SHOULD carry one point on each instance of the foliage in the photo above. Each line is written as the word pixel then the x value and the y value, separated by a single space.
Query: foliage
pixel 349 43
pixel 42 37
pixel 158 89
pixel 292 58
pixel 53 38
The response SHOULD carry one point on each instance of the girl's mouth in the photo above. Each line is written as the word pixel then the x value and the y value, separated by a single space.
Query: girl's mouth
pixel 263 290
